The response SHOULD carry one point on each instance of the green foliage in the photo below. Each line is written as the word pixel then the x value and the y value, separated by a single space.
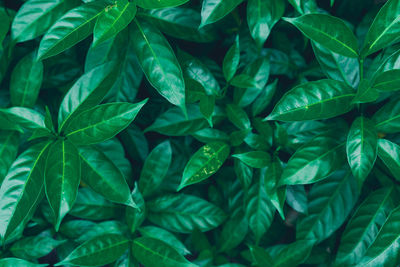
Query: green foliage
pixel 215 133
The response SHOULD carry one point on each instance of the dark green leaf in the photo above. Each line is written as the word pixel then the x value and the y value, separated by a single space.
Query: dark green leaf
pixel 389 153
pixel 387 81
pixel 214 10
pixel 9 141
pixel 231 59
pixel 255 159
pixel 154 4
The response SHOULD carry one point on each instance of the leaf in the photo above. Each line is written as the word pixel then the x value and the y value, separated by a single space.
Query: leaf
pixel 233 231
pixel 363 227
pixel 296 198
pixel 207 105
pixel 362 147
pixel 183 213
pixel 231 60
pixel 155 168
pixel 330 202
pixel 102 122
pixel 389 153
pixel 152 252
pixel 92 206
pixel 26 80
pixel 384 29
pixel 365 93
pixel 261 257
pixel 243 81
pixel 154 4
pixel 387 81
pixel 182 23
pixel 317 100
pixel 238 116
pixel 313 161
pixel 387 118
pixel 101 174
pixel 204 163
pixel 86 92
pixel 135 216
pixel 113 20
pixel 329 31
pixel 174 123
pixel 214 10
pixel 264 99
pixel 9 141
pixel 14 262
pixel 100 250
pixel 36 16
pixel 337 67
pixel 262 16
pixel 165 236
pixel 276 194
pixel 22 189
pixel 292 254
pixel 70 29
pixel 25 117
pixel 4 27
pixel 34 247
pixel 259 209
pixel 158 62
pixel 62 177
pixel 254 159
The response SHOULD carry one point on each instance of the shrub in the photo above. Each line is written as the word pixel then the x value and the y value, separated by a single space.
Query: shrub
pixel 199 133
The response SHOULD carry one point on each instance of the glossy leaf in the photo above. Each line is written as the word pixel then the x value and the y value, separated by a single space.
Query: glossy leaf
pixel 314 161
pixel 22 189
pixel 135 216
pixel 254 159
pixel 113 20
pixel 71 28
pixel 183 213
pixel 314 101
pixel 100 250
pixel 276 194
pixel 14 262
pixel 214 10
pixel 238 116
pixel 102 122
pixel 362 147
pixel 26 81
pixel 389 153
pixel 62 177
pixel 387 118
pixel 329 31
pixel 231 60
pixel 262 16
pixel 9 141
pixel 158 62
pixel 152 252
pixel 365 93
pixel 204 163
pixel 387 81
pixel 154 4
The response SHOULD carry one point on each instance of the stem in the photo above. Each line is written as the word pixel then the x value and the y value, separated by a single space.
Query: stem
pixel 361 62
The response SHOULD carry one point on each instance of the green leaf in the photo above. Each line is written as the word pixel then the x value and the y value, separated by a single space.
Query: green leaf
pixel 14 262
pixel 9 141
pixel 264 98
pixel 233 231
pixel 184 213
pixel 174 123
pixel 362 147
pixel 155 168
pixel 165 236
pixel 135 216
pixel 87 92
pixel 231 60
pixel 36 16
pixel 62 177
pixel 6 22
pixel 259 209
pixel 314 161
pixel 204 163
pixel 113 20
pixel 152 252
pixel 276 194
pixel 103 176
pixel 70 29
pixel 337 67
pixel 384 250
pixel 158 62
pixel 238 116
pixel 363 227
pixel 387 118
pixel 254 159
pixel 25 117
pixel 365 93
pixel 26 80
pixel 181 23
pixel 207 105
pixel 214 10
pixel 154 4
pixel 389 153
pixel 243 81
pixel 34 247
pixel 22 189
pixel 261 257
pixel 243 172
pixel 330 202
pixel 329 31
pixel 102 122
pixel 292 254
pixel 296 198
pixel 314 101
pixel 387 81
pixel 100 250
pixel 384 29
pixel 262 16
pixel 92 206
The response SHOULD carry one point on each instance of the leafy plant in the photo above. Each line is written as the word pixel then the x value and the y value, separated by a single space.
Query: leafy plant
pixel 199 133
